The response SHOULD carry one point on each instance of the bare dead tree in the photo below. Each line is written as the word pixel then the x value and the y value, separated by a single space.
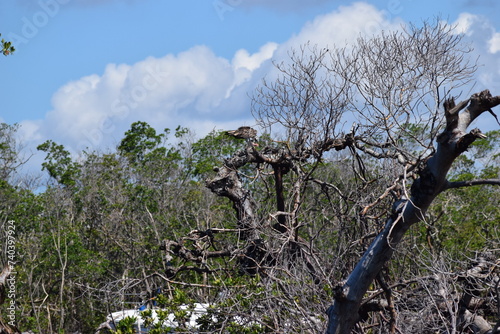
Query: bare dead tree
pixel 391 88
pixel 426 62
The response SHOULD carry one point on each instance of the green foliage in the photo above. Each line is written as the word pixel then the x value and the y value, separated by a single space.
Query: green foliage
pixel 8 150
pixel 464 229
pixel 487 147
pixel 209 152
pixel 87 246
pixel 481 160
pixel 59 163
pixel 469 215
pixel 7 47
pixel 126 326
pixel 140 140
pixel 142 143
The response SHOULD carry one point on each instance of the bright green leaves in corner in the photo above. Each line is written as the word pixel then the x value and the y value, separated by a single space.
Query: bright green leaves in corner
pixel 7 47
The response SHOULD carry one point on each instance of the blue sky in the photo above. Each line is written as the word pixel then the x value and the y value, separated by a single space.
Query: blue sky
pixel 84 70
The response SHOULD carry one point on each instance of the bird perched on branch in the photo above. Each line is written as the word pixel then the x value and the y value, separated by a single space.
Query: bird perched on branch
pixel 243 132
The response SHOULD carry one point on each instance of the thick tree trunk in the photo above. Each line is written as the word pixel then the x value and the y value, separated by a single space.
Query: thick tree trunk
pixel 227 183
pixel 280 198
pixel 453 141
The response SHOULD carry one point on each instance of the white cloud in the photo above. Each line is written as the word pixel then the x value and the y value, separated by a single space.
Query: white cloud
pixel 344 26
pixel 481 35
pixel 242 59
pixel 494 43
pixel 201 91
pixel 479 30
pixel 196 88
pixel 464 23
pixel 30 129
pixel 244 64
pixel 187 89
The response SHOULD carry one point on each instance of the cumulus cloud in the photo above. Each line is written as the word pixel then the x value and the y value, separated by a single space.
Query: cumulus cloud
pixel 186 89
pixel 196 88
pixel 479 32
pixel 201 91
pixel 494 43
pixel 344 25
pixel 482 36
pixel 464 23
pixel 245 64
